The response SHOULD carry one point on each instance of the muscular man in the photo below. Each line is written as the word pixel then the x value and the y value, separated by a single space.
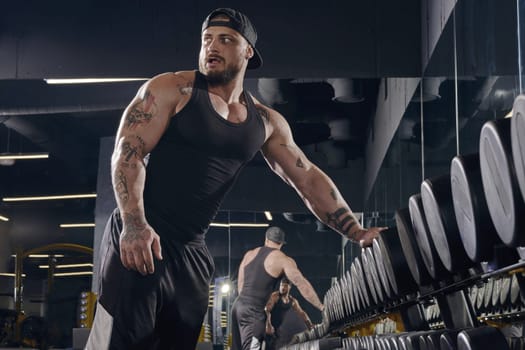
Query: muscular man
pixel 200 128
pixel 284 316
pixel 259 271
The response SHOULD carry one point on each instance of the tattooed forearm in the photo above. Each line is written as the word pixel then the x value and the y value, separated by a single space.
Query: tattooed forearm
pixel 142 111
pixel 121 186
pixel 134 225
pixel 132 151
pixel 341 218
pixel 264 114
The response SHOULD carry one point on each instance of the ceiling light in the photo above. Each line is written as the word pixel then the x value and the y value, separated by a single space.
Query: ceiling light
pixel 268 215
pixel 66 266
pixel 91 80
pixel 7 274
pixel 77 225
pixel 16 156
pixel 225 288
pixel 218 224
pixel 3 218
pixel 46 198
pixel 42 255
pixel 237 224
pixel 80 273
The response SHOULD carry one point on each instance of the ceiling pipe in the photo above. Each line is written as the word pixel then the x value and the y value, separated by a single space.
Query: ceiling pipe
pixel 43 139
pixel 42 110
pixel 430 89
pixel 274 91
pixel 340 129
pixel 346 90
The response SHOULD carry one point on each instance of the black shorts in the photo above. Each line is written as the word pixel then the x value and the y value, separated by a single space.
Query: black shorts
pixel 164 310
pixel 248 324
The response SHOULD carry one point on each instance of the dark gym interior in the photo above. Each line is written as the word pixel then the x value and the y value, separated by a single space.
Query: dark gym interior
pixel 381 95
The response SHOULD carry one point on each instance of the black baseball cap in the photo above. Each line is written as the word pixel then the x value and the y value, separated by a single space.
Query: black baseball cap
pixel 240 23
pixel 275 234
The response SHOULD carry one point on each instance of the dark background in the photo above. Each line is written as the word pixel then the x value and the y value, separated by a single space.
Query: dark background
pixel 372 148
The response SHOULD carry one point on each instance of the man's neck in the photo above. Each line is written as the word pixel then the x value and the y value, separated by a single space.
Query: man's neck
pixel 285 298
pixel 271 244
pixel 229 92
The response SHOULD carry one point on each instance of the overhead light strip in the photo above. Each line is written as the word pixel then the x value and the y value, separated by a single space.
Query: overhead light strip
pixel 15 156
pixel 77 225
pixel 66 266
pixel 47 198
pixel 4 218
pixel 80 273
pixel 7 274
pixel 268 215
pixel 91 80
pixel 237 224
pixel 42 255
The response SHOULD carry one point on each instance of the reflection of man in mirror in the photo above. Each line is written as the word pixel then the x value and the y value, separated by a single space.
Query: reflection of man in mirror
pixel 259 271
pixel 284 317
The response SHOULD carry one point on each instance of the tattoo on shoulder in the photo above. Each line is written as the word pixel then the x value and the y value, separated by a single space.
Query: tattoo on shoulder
pixel 339 219
pixel 186 89
pixel 299 163
pixel 264 114
pixel 141 112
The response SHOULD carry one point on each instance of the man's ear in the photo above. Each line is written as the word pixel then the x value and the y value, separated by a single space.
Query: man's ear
pixel 249 52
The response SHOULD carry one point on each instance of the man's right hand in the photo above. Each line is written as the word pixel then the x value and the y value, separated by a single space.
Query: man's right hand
pixel 270 330
pixel 136 245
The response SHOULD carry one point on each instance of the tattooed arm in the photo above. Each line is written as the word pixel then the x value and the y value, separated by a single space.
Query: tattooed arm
pixel 141 127
pixel 301 313
pixel 303 285
pixel 274 297
pixel 316 189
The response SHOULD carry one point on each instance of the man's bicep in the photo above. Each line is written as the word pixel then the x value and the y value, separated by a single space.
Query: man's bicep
pixel 285 158
pixel 296 306
pixel 292 272
pixel 142 124
pixel 271 301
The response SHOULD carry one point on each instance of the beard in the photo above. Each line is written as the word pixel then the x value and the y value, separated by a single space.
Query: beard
pixel 222 78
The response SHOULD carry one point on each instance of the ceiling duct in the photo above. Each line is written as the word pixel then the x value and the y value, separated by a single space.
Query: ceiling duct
pixel 347 90
pixel 49 141
pixel 300 218
pixel 430 90
pixel 340 129
pixel 497 94
pixel 274 91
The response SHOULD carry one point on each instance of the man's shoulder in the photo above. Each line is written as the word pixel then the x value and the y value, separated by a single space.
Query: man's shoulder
pixel 278 255
pixel 173 78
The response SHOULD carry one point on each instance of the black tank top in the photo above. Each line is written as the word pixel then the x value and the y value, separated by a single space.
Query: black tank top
pixel 195 164
pixel 258 284
pixel 280 310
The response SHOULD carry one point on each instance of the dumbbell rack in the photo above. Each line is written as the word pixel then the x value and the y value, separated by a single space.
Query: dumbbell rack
pixel 451 297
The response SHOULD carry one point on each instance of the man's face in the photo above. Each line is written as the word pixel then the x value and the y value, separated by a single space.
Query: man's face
pixel 284 288
pixel 224 53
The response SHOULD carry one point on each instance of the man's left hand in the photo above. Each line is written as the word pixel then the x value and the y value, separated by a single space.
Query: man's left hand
pixel 367 235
